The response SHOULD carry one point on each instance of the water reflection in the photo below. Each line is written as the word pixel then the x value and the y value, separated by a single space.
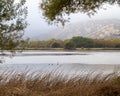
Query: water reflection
pixel 63 57
pixel 66 62
pixel 66 69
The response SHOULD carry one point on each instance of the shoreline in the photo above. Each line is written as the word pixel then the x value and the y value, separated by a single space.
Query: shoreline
pixel 77 49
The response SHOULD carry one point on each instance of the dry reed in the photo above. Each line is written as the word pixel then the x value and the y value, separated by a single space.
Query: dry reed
pixel 39 84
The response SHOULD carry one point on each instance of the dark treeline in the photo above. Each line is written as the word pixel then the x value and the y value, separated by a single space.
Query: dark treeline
pixel 75 42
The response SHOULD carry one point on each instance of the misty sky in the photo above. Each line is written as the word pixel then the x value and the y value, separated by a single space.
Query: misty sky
pixel 37 24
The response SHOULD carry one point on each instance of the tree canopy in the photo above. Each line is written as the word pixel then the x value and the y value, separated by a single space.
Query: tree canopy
pixel 12 22
pixel 55 10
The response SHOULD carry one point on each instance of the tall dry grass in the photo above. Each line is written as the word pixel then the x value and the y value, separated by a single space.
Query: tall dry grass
pixel 14 84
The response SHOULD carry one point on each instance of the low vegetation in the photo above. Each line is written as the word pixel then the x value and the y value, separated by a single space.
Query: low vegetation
pixel 75 42
pixel 59 85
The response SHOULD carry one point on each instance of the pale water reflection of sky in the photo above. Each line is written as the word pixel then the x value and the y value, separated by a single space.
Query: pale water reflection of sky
pixel 37 24
pixel 51 57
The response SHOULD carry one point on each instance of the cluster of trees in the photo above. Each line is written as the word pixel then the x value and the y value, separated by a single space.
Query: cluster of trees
pixel 12 23
pixel 81 42
pixel 53 43
pixel 13 14
pixel 75 42
pixel 55 11
pixel 13 19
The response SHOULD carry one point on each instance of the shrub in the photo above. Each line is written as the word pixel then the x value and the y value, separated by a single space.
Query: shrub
pixel 69 45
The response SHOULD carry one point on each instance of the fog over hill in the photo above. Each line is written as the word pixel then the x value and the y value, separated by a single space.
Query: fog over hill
pixel 101 29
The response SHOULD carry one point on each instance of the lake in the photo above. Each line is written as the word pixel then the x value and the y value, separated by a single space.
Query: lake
pixel 64 61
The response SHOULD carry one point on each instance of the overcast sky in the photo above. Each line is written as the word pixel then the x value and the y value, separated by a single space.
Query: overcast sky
pixel 37 24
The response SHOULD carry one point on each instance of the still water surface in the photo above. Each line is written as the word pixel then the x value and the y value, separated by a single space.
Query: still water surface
pixel 65 57
pixel 63 61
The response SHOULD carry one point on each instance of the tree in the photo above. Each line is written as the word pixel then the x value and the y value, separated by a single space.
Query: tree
pixel 69 45
pixel 82 42
pixel 117 46
pixel 55 10
pixel 12 23
pixel 56 45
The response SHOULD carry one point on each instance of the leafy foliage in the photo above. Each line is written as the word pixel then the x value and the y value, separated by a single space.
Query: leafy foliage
pixel 69 45
pixel 55 10
pixel 55 45
pixel 12 23
pixel 75 42
pixel 82 42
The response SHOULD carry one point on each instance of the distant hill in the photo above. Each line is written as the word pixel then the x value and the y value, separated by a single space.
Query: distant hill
pixel 101 29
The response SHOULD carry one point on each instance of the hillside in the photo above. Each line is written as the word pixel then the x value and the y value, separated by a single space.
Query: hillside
pixel 101 29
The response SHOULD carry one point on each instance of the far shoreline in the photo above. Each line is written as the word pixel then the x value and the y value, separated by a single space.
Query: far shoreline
pixel 76 49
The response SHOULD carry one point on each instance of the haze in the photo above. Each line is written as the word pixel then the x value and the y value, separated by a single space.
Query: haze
pixel 37 24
